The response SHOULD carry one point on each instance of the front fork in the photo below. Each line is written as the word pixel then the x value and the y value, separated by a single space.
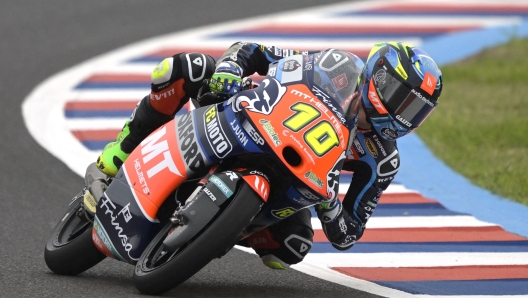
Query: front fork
pixel 206 202
pixel 95 184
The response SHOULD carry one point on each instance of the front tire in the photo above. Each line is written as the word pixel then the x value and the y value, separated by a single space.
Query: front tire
pixel 70 249
pixel 158 271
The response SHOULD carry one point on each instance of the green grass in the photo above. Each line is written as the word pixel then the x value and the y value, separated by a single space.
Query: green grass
pixel 480 127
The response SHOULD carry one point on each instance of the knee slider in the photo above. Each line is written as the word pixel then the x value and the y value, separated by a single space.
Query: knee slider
pixel 274 263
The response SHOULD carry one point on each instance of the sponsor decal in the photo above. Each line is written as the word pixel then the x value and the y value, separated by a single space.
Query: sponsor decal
pixel 380 76
pixel 423 98
pixel 282 213
pixel 385 179
pixel 141 177
pixel 291 70
pixel 272 70
pixel 340 81
pixel 380 145
pixel 290 65
pixel 238 132
pixel 429 83
pixel 371 147
pixel 266 97
pixel 221 185
pixel 209 193
pixel 268 128
pixel 374 99
pixel 102 241
pixel 215 134
pixel 301 201
pixel 255 172
pixel 125 212
pixel 342 225
pixel 253 134
pixel 308 62
pixel 358 146
pixel 191 154
pixel 108 207
pixel 314 179
pixel 326 99
pixel 389 133
pixel 151 147
pixel 403 121
pixel 165 94
pixel 349 240
pixel 232 175
pixel 332 177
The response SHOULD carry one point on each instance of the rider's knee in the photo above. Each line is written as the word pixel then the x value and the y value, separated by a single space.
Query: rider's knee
pixel 286 243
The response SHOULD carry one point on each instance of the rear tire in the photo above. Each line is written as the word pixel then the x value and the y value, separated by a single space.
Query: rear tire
pixel 70 249
pixel 173 268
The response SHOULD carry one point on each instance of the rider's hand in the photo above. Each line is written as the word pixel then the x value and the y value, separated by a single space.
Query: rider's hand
pixel 227 79
pixel 339 227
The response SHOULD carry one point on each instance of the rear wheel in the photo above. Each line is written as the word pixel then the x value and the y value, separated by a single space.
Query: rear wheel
pixel 70 249
pixel 159 269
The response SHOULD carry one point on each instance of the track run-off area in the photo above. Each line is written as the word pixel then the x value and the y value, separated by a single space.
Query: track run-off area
pixel 432 234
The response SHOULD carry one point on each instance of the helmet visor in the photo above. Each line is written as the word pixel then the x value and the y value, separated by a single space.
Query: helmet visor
pixel 409 106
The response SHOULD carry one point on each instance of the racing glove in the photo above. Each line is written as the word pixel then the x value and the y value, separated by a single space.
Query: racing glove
pixel 227 79
pixel 339 227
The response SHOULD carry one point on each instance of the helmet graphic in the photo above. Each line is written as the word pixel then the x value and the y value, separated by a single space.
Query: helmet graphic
pixel 337 73
pixel 401 85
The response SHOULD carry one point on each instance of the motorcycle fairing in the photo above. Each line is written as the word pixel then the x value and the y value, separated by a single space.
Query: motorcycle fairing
pixel 120 228
pixel 179 150
pixel 311 130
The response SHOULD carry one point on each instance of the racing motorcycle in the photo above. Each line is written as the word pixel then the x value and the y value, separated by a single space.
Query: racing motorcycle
pixel 211 177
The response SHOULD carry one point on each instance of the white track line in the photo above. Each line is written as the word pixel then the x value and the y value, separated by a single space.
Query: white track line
pixel 417 259
pixel 418 222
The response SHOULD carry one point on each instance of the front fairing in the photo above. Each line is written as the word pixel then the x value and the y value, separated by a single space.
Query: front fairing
pixel 303 126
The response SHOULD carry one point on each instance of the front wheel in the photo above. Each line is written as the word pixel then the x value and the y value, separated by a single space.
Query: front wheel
pixel 159 269
pixel 70 249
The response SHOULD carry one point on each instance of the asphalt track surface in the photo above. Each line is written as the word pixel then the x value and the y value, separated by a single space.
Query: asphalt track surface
pixel 41 38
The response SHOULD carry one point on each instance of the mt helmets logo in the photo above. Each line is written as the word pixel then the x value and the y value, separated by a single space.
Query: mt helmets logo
pixel 261 100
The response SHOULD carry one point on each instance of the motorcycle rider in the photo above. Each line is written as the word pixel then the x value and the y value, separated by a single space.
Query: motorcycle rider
pixel 400 87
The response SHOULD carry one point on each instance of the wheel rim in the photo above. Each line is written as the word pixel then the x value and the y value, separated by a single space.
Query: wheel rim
pixel 158 255
pixel 72 226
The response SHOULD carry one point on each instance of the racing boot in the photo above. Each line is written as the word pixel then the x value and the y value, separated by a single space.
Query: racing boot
pixel 144 120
